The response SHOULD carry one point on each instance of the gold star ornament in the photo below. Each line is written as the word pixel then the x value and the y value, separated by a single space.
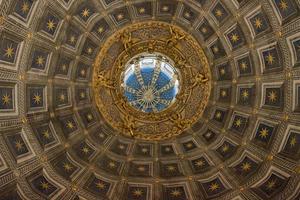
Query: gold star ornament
pixel 225 148
pixel 245 94
pixel 246 166
pixel 9 52
pixel 219 13
pixel 37 99
pixel 218 115
pixel 271 184
pixel 264 133
pixel 70 125
pixel 138 192
pixel 238 122
pixel 214 187
pixel 272 96
pixel 72 39
pixel 67 167
pixel 44 185
pixel 171 168
pixel 85 12
pixel 270 59
pixel 175 193
pixel 19 145
pixel 46 134
pixel 85 150
pixel 6 99
pixel 50 25
pixel 293 141
pixel 120 16
pixel 100 185
pixel 199 163
pixel 234 38
pixel 40 61
pixel 25 7
pixel 142 10
pixel 258 23
pixel 244 66
pixel 283 5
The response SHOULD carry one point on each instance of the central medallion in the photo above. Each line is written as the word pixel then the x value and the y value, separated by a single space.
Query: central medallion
pixel 150 82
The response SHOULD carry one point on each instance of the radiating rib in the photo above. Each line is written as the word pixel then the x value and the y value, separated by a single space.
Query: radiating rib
pixel 135 102
pixel 145 106
pixel 166 87
pixel 156 72
pixel 130 90
pixel 137 72
pixel 164 101
pixel 153 106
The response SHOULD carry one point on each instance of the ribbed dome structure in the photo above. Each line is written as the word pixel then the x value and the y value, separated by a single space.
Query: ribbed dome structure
pixel 157 87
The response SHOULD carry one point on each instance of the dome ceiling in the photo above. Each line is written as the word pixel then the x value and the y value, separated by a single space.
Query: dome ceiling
pixel 146 94
pixel 57 136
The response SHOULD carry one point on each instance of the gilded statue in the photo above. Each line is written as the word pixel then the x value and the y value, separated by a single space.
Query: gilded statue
pixel 104 80
pixel 199 79
pixel 175 37
pixel 126 39
pixel 181 63
pixel 179 122
pixel 129 125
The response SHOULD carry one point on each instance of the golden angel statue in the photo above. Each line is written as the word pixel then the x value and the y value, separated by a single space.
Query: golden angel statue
pixel 199 79
pixel 129 125
pixel 104 80
pixel 126 39
pixel 180 122
pixel 175 37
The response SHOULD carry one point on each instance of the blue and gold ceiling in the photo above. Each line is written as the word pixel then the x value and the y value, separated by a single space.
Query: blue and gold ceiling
pixel 150 84
pixel 55 144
